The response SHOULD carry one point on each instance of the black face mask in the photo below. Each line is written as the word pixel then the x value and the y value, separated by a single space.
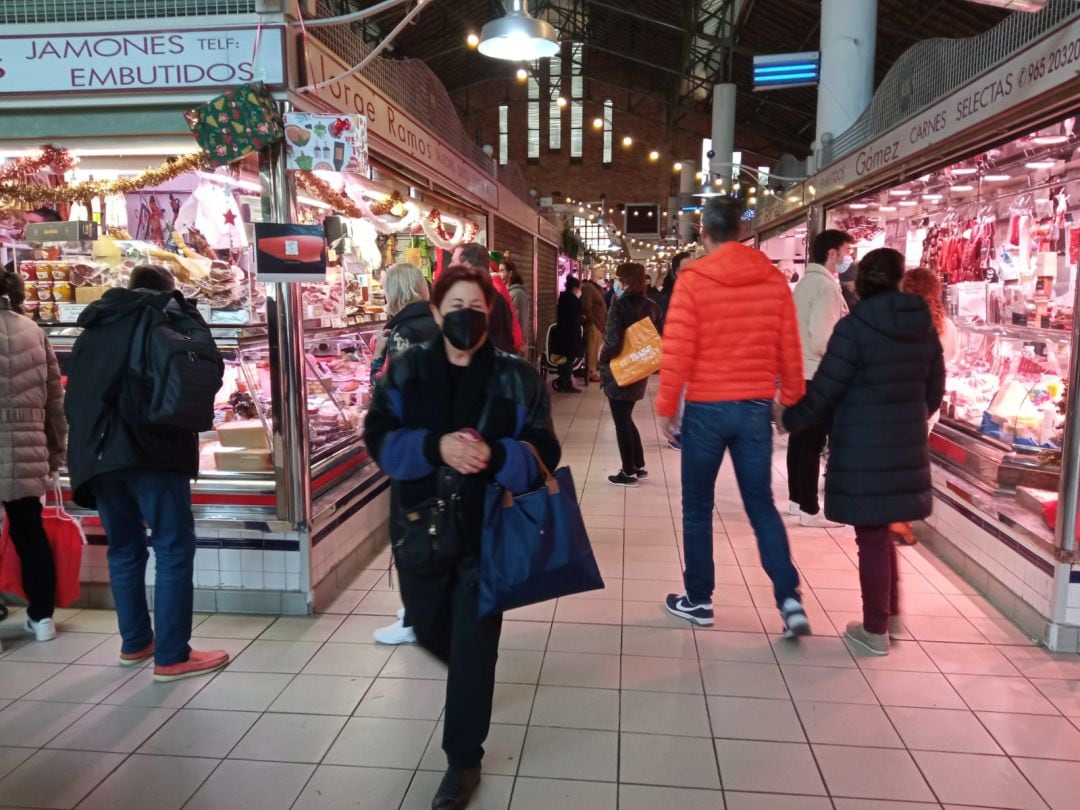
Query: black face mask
pixel 465 328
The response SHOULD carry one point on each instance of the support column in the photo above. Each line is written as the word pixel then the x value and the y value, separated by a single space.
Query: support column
pixel 686 191
pixel 723 132
pixel 848 42
pixel 288 376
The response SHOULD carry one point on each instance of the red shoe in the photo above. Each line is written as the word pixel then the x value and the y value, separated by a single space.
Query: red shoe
pixel 199 663
pixel 136 658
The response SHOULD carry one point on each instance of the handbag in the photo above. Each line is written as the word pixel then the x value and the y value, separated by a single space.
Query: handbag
pixel 429 540
pixel 640 353
pixel 66 540
pixel 534 547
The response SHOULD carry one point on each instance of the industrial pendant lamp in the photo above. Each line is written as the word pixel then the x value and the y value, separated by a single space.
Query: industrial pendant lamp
pixel 519 37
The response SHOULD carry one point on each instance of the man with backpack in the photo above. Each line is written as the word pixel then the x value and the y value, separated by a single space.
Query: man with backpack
pixel 144 373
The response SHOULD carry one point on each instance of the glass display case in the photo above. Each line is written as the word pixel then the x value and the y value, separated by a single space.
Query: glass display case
pixel 237 464
pixel 1003 418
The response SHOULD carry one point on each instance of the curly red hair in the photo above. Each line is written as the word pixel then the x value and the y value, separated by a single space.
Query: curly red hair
pixel 925 283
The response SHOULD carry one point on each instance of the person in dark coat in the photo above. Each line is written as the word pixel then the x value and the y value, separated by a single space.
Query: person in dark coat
pixel 137 476
pixel 669 284
pixel 629 306
pixel 411 321
pixel 451 418
pixel 569 340
pixel 881 377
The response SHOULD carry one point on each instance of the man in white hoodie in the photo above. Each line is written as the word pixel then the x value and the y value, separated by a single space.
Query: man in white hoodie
pixel 819 302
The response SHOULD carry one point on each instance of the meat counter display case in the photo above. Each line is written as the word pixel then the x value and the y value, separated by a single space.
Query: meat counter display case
pixel 249 558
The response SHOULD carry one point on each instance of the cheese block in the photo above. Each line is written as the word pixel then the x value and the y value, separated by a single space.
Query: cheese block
pixel 240 459
pixel 244 433
pixel 88 295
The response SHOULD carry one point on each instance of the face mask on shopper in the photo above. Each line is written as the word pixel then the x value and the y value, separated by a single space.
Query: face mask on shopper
pixel 845 265
pixel 619 289
pixel 465 328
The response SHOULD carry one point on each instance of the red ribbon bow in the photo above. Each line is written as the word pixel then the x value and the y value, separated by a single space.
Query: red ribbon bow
pixel 339 126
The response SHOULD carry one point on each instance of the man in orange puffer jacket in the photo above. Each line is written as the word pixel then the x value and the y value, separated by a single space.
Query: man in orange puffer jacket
pixel 731 333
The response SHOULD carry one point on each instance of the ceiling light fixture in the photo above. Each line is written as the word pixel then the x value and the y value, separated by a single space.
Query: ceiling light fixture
pixel 519 36
pixel 1050 140
pixel 1040 164
pixel 888 209
pixel 473 40
pixel 522 74
pixel 654 156
pixel 900 192
pixel 962 187
pixel 964 171
pixel 931 197
pixel 627 141
pixel 858 206
pixel 598 123
pixel 677 167
pixel 562 101
pixel 908 203
pixel 997 178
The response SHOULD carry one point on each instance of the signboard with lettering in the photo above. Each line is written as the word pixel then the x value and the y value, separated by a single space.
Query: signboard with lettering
pixel 135 61
pixel 387 122
pixel 1050 64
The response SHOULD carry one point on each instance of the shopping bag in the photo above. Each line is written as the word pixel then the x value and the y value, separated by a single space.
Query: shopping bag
pixel 640 354
pixel 66 540
pixel 534 547
pixel 236 123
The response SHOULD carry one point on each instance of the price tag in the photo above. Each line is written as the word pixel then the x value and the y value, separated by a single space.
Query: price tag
pixel 69 313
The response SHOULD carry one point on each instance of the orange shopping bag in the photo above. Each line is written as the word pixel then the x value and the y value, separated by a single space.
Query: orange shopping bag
pixel 640 354
pixel 66 541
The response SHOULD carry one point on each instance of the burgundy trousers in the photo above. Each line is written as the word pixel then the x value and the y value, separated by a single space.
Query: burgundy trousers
pixel 879 576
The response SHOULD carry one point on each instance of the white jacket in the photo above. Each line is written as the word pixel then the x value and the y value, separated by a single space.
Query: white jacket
pixel 820 305
pixel 33 432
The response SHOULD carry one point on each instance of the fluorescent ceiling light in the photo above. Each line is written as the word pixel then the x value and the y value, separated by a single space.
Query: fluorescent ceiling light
pixel 908 203
pixel 996 178
pixel 931 197
pixel 965 170
pixel 887 208
pixel 1040 164
pixel 962 187
pixel 1050 140
pixel 519 37
pixel 858 206
pixel 900 192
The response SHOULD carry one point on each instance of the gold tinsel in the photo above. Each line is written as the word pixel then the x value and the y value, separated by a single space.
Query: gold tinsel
pixel 29 194
pixel 324 192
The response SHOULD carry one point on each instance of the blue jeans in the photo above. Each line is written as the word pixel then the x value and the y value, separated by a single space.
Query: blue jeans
pixel 128 501
pixel 745 429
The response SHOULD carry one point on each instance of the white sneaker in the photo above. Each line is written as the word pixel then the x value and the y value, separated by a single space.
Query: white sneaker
pixel 45 630
pixel 396 633
pixel 793 509
pixel 818 521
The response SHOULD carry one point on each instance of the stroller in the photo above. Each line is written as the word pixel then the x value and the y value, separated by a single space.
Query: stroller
pixel 547 359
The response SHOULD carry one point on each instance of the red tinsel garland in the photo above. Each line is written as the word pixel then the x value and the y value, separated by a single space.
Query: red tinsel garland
pixel 50 157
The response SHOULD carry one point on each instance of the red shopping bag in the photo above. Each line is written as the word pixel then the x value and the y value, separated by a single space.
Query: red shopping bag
pixel 66 540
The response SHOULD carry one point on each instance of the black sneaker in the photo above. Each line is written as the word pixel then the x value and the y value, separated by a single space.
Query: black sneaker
pixel 623 480
pixel 795 622
pixel 675 443
pixel 682 607
pixel 642 474
pixel 456 789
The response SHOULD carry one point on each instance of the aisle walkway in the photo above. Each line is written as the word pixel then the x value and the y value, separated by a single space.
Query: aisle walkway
pixel 603 700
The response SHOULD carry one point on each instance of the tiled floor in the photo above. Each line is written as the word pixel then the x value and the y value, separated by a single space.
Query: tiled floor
pixel 603 700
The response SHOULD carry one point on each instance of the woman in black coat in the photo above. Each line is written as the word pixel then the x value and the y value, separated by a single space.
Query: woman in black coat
pixel 881 377
pixel 569 338
pixel 447 420
pixel 629 306
pixel 411 322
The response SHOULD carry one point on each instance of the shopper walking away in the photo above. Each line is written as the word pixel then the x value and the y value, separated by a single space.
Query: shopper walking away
pixel 630 306
pixel 136 474
pixel 882 374
pixel 519 297
pixel 411 323
pixel 731 334
pixel 33 436
pixel 568 340
pixel 505 330
pixel 926 284
pixel 596 312
pixel 675 442
pixel 820 305
pixel 448 420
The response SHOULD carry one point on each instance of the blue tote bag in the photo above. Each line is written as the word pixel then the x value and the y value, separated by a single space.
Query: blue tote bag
pixel 534 546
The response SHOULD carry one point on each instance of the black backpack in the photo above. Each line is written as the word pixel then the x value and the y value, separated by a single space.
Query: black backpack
pixel 174 369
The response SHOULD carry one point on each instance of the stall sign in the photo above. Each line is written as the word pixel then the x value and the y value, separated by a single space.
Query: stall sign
pixel 1049 64
pixel 389 124
pixel 134 61
pixel 330 143
pixel 290 253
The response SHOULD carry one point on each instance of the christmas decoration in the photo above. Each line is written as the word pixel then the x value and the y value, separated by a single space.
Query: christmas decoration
pixel 330 143
pixel 29 195
pixel 50 157
pixel 236 123
pixel 324 192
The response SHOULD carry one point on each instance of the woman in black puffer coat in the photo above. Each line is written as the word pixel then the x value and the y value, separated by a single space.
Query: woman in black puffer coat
pixel 629 306
pixel 881 377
